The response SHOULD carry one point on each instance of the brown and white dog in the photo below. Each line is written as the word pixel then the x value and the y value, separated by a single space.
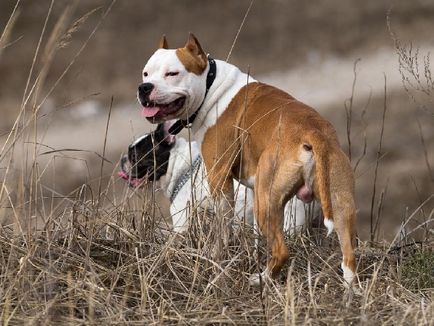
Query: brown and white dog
pixel 257 134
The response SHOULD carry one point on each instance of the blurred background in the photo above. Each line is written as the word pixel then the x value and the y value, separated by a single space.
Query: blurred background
pixel 62 64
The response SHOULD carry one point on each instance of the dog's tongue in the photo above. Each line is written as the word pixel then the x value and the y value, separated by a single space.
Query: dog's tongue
pixel 123 175
pixel 149 112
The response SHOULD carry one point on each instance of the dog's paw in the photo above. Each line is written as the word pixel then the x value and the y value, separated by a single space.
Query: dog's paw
pixel 350 281
pixel 255 279
pixel 348 274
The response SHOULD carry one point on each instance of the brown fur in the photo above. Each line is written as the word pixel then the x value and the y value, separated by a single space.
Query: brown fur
pixel 163 43
pixel 263 133
pixel 192 56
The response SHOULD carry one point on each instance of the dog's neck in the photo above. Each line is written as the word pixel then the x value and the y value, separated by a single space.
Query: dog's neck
pixel 229 80
pixel 180 163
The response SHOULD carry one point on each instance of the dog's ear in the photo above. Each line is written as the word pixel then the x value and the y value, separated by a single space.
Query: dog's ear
pixel 194 48
pixel 163 42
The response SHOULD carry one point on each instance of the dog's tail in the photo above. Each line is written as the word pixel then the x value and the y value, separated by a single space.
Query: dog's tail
pixel 314 141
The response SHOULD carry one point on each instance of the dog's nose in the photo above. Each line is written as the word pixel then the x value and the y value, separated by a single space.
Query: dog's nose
pixel 146 88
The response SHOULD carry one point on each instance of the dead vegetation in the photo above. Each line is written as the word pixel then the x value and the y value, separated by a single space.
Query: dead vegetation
pixel 118 265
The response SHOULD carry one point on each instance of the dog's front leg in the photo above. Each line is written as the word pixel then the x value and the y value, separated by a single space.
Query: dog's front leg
pixel 223 194
pixel 219 154
pixel 220 182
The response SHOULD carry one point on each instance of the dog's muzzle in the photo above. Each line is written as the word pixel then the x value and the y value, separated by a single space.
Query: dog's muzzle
pixel 155 109
pixel 144 91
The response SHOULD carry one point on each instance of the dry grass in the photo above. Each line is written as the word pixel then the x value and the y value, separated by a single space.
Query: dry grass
pixel 107 258
pixel 118 265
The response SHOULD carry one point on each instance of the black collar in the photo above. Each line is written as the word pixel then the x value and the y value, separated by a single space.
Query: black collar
pixel 181 124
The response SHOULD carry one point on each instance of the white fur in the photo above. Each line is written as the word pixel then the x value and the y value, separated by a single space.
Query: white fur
pixel 255 279
pixel 249 182
pixel 329 225
pixel 169 88
pixel 295 215
pixel 308 163
pixel 348 274
pixel 138 140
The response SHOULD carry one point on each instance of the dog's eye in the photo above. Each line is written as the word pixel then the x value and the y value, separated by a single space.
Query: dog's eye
pixel 145 74
pixel 172 73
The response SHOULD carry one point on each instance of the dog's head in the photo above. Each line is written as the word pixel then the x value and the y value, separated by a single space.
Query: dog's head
pixel 174 81
pixel 148 156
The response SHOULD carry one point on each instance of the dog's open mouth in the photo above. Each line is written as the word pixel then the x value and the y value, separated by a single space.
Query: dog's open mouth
pixel 153 109
pixel 126 174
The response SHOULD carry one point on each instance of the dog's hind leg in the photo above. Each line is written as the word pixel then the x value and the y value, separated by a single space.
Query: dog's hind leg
pixel 274 184
pixel 344 210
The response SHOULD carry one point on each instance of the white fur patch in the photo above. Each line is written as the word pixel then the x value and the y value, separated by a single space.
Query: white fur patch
pixel 348 274
pixel 179 220
pixel 254 279
pixel 329 225
pixel 249 182
pixel 295 215
pixel 308 163
pixel 306 156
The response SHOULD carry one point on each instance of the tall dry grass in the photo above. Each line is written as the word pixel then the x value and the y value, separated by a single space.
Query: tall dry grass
pixel 97 256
